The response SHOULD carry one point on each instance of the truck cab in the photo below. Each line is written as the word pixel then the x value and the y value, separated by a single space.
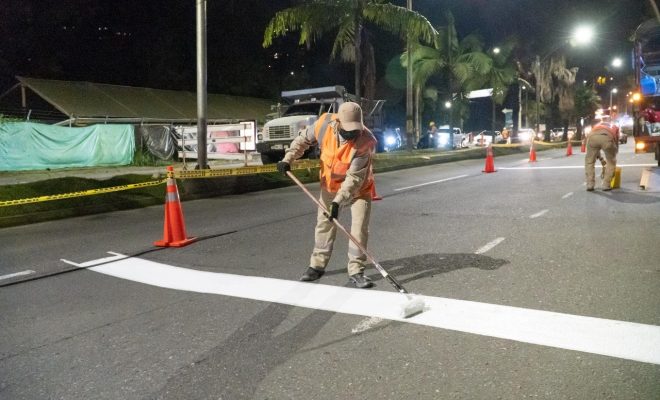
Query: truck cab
pixel 646 105
pixel 304 108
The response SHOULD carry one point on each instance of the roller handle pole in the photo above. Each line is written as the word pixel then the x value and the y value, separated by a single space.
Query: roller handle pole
pixel 380 269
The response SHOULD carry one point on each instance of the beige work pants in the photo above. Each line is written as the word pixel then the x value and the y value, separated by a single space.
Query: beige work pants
pixel 596 143
pixel 326 231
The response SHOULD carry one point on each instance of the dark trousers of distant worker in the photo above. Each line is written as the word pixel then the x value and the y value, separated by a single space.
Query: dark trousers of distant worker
pixel 595 143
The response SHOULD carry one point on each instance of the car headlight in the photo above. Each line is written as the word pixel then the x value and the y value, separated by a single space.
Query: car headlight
pixel 443 140
pixel 390 140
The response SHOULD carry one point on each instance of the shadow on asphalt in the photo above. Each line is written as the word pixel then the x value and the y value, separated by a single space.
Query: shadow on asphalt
pixel 236 368
pixel 421 266
pixel 623 196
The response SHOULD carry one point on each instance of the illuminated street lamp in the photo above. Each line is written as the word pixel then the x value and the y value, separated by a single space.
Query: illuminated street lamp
pixel 496 50
pixel 617 62
pixel 582 35
pixel 613 91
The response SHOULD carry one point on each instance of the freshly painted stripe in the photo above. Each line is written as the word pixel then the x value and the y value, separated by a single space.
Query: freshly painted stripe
pixel 538 214
pixel 489 245
pixel 621 339
pixel 567 195
pixel 578 166
pixel 14 275
pixel 431 183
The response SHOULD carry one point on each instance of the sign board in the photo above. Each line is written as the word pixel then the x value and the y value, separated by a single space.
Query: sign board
pixel 222 141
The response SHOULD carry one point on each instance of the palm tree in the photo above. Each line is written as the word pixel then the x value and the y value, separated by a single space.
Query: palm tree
pixel 556 83
pixel 458 61
pixel 499 75
pixel 587 101
pixel 348 18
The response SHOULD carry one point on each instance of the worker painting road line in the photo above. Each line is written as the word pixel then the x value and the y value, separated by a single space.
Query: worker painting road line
pixel 620 339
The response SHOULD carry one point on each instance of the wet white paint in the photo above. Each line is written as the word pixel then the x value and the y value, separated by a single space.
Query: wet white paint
pixel 489 245
pixel 621 339
pixel 366 324
pixel 578 166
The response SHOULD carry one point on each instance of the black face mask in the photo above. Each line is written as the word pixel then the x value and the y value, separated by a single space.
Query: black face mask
pixel 349 135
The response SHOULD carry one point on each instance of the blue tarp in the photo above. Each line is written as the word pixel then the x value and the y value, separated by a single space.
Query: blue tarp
pixel 30 146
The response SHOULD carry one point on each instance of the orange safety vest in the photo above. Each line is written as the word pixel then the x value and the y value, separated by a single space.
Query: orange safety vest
pixel 611 130
pixel 336 158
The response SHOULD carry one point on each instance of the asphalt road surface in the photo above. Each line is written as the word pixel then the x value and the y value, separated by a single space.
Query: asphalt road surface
pixel 534 288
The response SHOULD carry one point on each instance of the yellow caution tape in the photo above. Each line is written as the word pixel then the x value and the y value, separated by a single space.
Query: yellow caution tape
pixel 213 173
pixel 80 194
pixel 202 173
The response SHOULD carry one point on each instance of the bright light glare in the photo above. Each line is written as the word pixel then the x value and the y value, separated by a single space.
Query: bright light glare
pixel 617 62
pixel 640 145
pixel 496 50
pixel 447 104
pixel 583 35
pixel 615 90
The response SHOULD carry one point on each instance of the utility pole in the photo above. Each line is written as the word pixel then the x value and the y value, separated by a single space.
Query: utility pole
pixel 202 98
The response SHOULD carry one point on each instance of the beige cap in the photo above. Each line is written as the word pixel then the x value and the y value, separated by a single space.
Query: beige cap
pixel 350 116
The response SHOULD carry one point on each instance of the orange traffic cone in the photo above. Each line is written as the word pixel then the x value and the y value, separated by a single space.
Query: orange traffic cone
pixel 583 147
pixel 490 162
pixel 532 153
pixel 374 195
pixel 569 148
pixel 174 230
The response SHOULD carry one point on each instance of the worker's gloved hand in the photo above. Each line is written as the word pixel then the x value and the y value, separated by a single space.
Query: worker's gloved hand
pixel 283 167
pixel 333 211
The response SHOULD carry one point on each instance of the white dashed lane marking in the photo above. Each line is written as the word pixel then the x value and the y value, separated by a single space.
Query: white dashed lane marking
pixel 567 195
pixel 621 339
pixel 538 214
pixel 431 183
pixel 489 245
pixel 14 275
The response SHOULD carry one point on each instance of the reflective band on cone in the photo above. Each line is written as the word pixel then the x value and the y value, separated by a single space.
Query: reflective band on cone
pixel 174 229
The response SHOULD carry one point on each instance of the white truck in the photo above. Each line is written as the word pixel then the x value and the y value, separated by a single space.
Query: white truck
pixel 305 107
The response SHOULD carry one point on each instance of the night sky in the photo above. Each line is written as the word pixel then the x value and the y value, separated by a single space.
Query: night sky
pixel 152 43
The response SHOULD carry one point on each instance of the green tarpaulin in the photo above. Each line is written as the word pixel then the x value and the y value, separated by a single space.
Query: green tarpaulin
pixel 30 146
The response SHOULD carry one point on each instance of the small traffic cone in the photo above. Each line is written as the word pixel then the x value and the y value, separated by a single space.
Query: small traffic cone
pixel 174 230
pixel 532 153
pixel 569 148
pixel 490 162
pixel 374 195
pixel 583 147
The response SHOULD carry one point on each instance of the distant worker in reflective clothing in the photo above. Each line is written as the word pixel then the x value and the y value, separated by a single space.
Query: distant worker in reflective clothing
pixel 346 149
pixel 604 136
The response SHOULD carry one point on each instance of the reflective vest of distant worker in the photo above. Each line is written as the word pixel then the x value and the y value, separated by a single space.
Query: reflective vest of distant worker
pixel 604 136
pixel 346 150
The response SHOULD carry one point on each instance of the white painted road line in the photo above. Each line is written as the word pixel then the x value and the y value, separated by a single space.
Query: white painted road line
pixel 567 195
pixel 538 214
pixel 431 183
pixel 14 275
pixel 489 245
pixel 578 166
pixel 621 339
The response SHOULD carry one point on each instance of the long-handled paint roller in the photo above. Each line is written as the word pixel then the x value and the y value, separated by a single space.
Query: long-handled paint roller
pixel 415 304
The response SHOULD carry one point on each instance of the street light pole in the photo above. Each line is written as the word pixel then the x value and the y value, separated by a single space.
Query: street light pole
pixel 612 92
pixel 201 85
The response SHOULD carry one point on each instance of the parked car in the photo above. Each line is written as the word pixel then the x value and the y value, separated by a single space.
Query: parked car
pixel 443 138
pixel 484 138
pixel 388 140
pixel 525 135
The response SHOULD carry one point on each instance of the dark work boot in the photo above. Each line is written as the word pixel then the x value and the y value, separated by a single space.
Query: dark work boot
pixel 361 281
pixel 312 274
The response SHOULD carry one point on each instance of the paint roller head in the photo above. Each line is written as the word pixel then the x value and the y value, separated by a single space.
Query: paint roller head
pixel 415 305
